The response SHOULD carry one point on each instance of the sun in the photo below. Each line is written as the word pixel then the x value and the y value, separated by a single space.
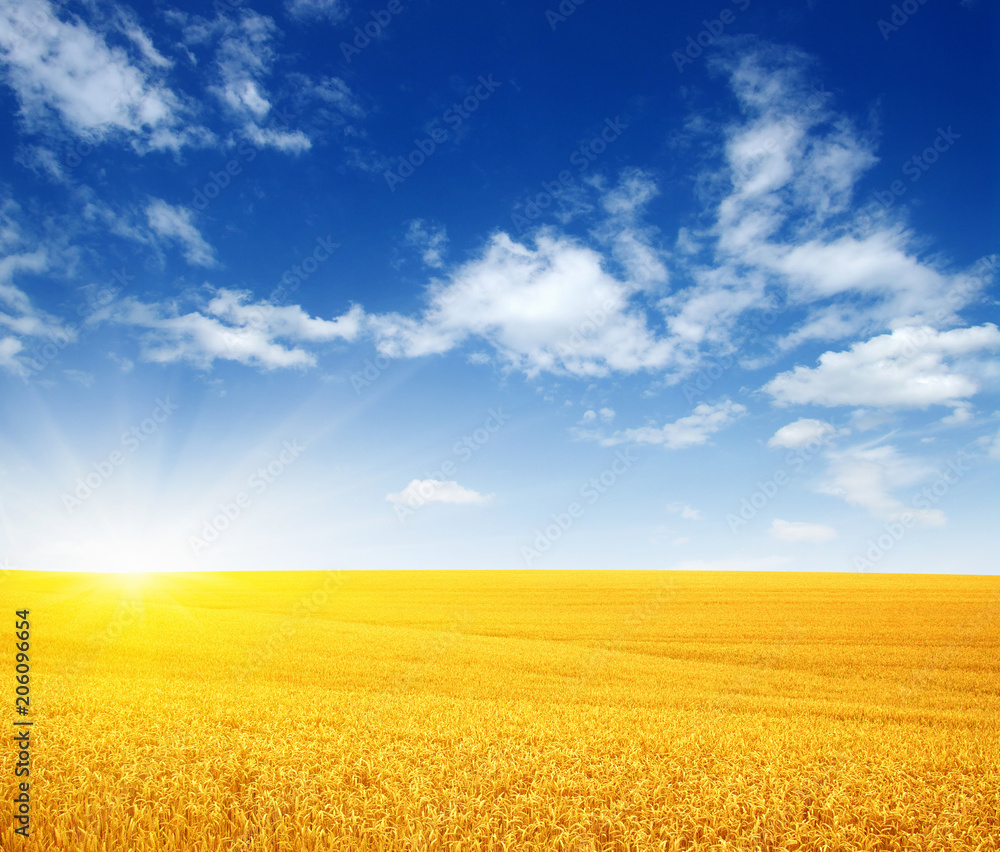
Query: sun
pixel 135 554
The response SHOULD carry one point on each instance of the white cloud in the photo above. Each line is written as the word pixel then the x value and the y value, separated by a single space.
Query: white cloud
pixel 693 430
pixel 10 347
pixel 175 223
pixel 331 11
pixel 865 477
pixel 685 511
pixel 552 308
pixel 20 319
pixel 802 433
pixel 126 365
pixel 606 415
pixel 422 491
pixel 993 447
pixel 232 329
pixel 962 413
pixel 785 229
pixel 66 69
pixel 633 192
pixel 81 377
pixel 785 237
pixel 244 59
pixel 288 141
pixel 799 531
pixel 333 91
pixel 431 240
pixel 905 369
pixel 145 45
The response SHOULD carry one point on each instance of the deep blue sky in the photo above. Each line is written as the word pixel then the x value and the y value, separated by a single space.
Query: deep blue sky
pixel 762 306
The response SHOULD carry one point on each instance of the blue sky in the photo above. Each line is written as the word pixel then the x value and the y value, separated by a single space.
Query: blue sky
pixel 326 284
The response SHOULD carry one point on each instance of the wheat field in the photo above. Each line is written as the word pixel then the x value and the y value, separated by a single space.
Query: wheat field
pixel 572 711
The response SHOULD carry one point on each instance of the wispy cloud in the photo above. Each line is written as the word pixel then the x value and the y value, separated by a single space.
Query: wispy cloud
pixel 423 491
pixel 691 431
pixel 64 68
pixel 430 239
pixel 800 531
pixel 232 328
pixel 175 223
pixel 331 11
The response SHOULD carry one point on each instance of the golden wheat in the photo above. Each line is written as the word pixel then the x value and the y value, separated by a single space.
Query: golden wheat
pixel 511 711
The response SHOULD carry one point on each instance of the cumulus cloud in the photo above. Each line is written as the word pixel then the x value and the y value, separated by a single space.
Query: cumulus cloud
pixel 552 307
pixel 691 431
pixel 784 236
pixel 423 491
pixel 175 223
pixel 803 433
pixel 800 531
pixel 912 367
pixel 232 328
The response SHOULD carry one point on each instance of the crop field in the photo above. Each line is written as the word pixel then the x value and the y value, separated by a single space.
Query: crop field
pixel 512 711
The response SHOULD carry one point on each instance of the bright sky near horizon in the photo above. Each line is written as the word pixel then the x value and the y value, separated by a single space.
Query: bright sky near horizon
pixel 330 284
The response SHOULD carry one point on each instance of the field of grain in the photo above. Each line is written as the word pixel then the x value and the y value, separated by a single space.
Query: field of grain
pixel 510 711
